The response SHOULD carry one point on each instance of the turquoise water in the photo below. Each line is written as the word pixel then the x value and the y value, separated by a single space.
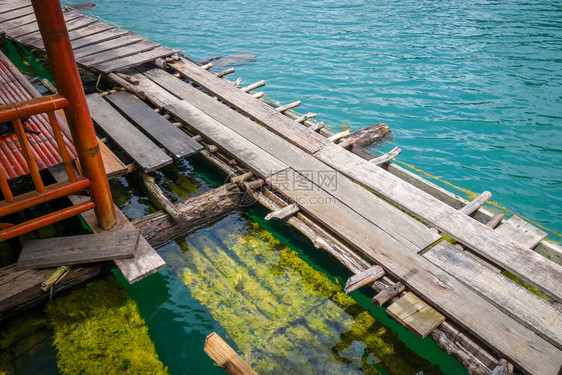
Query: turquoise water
pixel 471 89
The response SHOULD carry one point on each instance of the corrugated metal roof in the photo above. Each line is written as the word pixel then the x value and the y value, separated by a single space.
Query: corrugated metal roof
pixel 43 145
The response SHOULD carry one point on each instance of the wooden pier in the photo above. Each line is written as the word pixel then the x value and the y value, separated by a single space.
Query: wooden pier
pixel 383 222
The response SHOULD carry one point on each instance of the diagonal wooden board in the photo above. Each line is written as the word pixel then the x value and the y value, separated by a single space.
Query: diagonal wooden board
pixel 492 245
pixel 141 149
pixel 445 293
pixel 401 226
pixel 173 139
pixel 86 248
pixel 531 310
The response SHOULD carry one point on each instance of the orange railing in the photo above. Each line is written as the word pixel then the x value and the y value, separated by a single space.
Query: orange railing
pixel 14 113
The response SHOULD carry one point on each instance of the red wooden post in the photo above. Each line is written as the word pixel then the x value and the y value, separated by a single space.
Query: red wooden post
pixel 67 79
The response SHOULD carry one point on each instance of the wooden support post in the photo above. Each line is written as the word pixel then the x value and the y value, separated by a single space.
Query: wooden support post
pixel 258 95
pixel 339 135
pixel 476 203
pixel 495 220
pixel 283 213
pixel 224 72
pixel 317 126
pixel 218 163
pixel 253 86
pixel 207 66
pixel 388 293
pixel 155 192
pixel 503 368
pixel 237 82
pixel 473 365
pixel 226 357
pixel 369 135
pixel 387 157
pixel 253 184
pixel 285 107
pixel 306 116
pixel 363 278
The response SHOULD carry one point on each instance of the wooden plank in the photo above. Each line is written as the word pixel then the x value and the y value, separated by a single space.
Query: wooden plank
pixel 17 22
pixel 76 36
pixel 8 6
pixel 525 234
pixel 146 260
pixel 550 251
pixel 401 226
pixel 162 130
pixel 15 13
pixel 363 278
pixel 87 248
pixel 249 154
pixel 516 301
pixel 141 149
pixel 262 112
pixel 117 53
pixel 225 357
pixel 154 93
pixel 492 245
pixel 124 40
pixel 445 293
pixel 114 167
pixel 26 28
pixel 415 314
pixel 134 60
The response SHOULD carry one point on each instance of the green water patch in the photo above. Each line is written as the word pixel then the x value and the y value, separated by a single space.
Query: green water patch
pixel 98 330
pixel 281 313
pixel 26 345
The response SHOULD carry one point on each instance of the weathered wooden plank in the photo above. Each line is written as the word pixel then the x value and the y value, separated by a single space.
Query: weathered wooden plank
pixel 113 166
pixel 141 149
pixel 117 53
pixel 87 248
pixel 26 28
pixel 15 13
pixel 522 232
pixel 252 156
pixel 516 301
pixel 444 292
pixel 503 251
pixel 415 314
pixel 226 357
pixel 11 5
pixel 399 225
pixel 363 278
pixel 123 40
pixel 133 60
pixel 168 135
pixel 153 92
pixel 17 22
pixel 262 112
pixel 550 251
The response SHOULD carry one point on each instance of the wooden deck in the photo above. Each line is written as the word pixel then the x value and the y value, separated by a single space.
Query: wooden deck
pixel 96 45
pixel 384 214
pixel 324 180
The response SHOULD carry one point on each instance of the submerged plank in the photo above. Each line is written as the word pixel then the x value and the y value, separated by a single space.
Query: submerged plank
pixel 141 149
pixel 444 292
pixel 173 139
pixel 524 306
pixel 226 357
pixel 501 250
pixel 415 314
pixel 87 248
pixel 401 226
pixel 264 113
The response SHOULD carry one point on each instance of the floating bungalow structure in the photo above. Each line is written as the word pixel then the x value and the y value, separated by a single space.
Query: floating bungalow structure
pixel 444 267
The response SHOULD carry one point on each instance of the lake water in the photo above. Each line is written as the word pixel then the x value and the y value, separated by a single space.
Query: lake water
pixel 472 90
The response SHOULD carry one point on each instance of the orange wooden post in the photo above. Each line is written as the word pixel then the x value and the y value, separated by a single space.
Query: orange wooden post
pixel 67 79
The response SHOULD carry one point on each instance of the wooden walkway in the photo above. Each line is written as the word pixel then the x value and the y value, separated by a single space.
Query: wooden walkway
pixel 324 180
pixel 389 217
pixel 96 45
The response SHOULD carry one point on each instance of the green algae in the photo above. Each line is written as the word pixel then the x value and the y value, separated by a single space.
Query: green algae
pixel 288 317
pixel 98 330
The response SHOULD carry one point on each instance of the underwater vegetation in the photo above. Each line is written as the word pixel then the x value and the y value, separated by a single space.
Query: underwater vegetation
pixel 283 315
pixel 98 330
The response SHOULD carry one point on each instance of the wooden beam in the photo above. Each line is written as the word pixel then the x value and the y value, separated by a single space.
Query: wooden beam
pixel 415 314
pixel 476 203
pixel 386 157
pixel 225 357
pixel 283 213
pixel 388 293
pixel 363 278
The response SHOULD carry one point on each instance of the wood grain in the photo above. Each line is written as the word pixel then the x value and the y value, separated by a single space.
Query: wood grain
pixel 525 234
pixel 141 149
pixel 415 314
pixel 87 248
pixel 226 357
pixel 173 139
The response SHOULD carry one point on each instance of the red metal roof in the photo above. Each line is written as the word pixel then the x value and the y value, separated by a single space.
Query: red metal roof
pixel 43 145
